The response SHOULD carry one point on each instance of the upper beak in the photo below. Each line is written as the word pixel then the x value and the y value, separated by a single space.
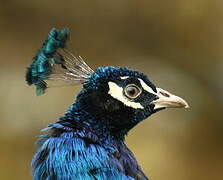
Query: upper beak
pixel 168 100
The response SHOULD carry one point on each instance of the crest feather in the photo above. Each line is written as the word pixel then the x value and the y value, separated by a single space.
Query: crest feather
pixel 55 66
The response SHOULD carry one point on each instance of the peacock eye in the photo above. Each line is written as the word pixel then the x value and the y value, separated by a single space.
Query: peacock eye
pixel 132 91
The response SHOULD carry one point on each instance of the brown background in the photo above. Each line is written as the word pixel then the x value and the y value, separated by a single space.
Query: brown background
pixel 178 43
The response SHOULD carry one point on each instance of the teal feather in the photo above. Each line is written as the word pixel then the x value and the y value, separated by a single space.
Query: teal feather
pixel 46 57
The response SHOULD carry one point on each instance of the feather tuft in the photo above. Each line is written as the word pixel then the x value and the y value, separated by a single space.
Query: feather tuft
pixel 55 66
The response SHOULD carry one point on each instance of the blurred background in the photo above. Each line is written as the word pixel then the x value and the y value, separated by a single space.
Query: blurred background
pixel 177 43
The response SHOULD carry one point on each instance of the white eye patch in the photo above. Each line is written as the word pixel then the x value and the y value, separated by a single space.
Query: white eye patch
pixel 117 92
pixel 146 87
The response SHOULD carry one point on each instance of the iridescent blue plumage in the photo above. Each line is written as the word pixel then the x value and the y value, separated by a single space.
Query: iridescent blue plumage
pixel 88 142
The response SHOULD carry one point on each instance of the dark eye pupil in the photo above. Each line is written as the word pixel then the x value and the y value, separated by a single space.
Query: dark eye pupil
pixel 132 91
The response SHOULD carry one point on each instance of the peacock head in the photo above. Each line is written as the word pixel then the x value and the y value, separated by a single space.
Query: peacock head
pixel 124 97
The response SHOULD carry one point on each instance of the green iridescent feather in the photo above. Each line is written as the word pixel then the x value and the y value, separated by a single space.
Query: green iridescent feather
pixel 46 57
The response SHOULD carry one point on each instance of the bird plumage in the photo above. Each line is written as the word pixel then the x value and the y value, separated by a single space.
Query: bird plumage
pixel 88 142
pixel 53 62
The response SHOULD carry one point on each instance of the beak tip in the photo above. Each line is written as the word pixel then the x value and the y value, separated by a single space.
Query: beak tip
pixel 187 106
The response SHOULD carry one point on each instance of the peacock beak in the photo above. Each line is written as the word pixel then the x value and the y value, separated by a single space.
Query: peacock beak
pixel 168 100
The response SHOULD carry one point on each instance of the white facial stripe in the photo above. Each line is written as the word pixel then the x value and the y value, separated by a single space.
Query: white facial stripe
pixel 117 92
pixel 146 87
pixel 124 77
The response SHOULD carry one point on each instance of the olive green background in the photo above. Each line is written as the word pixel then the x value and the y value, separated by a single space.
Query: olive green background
pixel 177 43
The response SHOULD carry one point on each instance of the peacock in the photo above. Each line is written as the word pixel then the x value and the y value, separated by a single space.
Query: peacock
pixel 88 141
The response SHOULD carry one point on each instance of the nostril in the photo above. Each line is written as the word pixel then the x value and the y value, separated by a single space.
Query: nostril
pixel 165 94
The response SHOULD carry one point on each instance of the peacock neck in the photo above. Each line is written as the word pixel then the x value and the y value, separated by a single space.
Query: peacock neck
pixel 97 124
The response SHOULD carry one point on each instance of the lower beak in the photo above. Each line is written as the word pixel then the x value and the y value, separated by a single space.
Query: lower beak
pixel 168 100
